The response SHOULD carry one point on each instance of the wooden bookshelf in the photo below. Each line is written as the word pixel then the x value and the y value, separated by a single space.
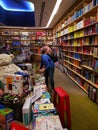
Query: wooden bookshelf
pixel 87 67
pixel 88 81
pixel 72 64
pixel 23 40
pixel 72 58
pixel 77 83
pixel 78 41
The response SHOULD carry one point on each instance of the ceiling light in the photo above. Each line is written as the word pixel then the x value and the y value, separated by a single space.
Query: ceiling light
pixel 58 2
pixel 16 5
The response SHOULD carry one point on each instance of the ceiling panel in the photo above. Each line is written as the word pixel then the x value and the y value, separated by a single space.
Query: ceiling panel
pixel 48 8
pixel 65 5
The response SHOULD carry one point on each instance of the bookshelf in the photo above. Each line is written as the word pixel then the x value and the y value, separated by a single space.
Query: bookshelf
pixel 77 38
pixel 23 41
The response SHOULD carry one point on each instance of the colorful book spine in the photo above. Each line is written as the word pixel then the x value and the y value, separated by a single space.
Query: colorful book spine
pixel 93 94
pixel 95 2
pixel 96 65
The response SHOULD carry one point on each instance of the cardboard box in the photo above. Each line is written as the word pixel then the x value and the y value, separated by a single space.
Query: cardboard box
pixel 6 117
pixel 13 84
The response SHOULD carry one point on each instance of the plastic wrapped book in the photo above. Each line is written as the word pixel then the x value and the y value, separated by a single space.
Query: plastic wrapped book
pixel 48 123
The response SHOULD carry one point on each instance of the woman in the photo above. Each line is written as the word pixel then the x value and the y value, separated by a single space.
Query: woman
pixel 49 66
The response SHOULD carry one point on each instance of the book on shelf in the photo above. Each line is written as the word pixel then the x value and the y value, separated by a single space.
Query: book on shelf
pixel 76 63
pixel 89 20
pixel 97 28
pixel 70 28
pixel 92 78
pixel 96 40
pixel 71 35
pixel 87 74
pixel 96 79
pixel 95 51
pixel 66 31
pixel 79 49
pixel 79 34
pixel 79 24
pixel 86 41
pixel 95 2
pixel 92 40
pixel 87 7
pixel 75 43
pixel 78 79
pixel 96 65
pixel 90 30
pixel 93 93
pixel 90 64
pixel 87 62
pixel 97 97
pixel 87 50
pixel 71 43
pixel 93 29
pixel 78 13
pixel 85 85
pixel 81 41
pixel 77 56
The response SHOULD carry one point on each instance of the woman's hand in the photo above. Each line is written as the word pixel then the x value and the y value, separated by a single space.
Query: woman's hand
pixel 42 70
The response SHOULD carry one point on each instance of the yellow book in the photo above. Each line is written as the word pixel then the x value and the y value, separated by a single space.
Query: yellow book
pixel 46 106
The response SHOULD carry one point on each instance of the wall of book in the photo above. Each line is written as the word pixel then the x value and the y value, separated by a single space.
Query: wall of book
pixel 23 42
pixel 77 36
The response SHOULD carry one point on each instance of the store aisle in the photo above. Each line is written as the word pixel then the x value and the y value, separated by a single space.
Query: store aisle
pixel 84 112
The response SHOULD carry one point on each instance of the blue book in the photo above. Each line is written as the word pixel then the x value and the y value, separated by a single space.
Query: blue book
pixel 77 56
pixel 46 95
pixel 95 2
pixel 87 75
pixel 92 78
pixel 96 65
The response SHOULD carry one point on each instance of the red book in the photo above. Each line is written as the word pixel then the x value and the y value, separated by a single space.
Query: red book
pixel 16 125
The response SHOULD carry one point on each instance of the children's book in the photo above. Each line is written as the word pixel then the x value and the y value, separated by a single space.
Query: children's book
pixel 48 123
pixel 45 95
pixel 44 108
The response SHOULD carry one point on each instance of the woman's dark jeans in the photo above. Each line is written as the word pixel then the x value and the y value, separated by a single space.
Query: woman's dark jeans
pixel 49 74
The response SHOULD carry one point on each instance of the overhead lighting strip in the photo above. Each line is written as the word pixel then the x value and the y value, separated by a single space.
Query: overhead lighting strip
pixel 57 5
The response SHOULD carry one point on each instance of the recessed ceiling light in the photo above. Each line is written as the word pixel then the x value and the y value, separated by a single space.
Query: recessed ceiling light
pixel 17 5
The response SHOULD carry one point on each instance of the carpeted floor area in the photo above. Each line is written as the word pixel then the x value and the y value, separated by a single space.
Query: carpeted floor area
pixel 84 112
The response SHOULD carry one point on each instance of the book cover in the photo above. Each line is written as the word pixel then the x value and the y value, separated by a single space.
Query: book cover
pixel 43 108
pixel 49 106
pixel 95 51
pixel 45 95
pixel 48 123
pixel 96 65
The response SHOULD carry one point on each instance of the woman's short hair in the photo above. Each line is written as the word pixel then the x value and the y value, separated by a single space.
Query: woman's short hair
pixel 44 49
